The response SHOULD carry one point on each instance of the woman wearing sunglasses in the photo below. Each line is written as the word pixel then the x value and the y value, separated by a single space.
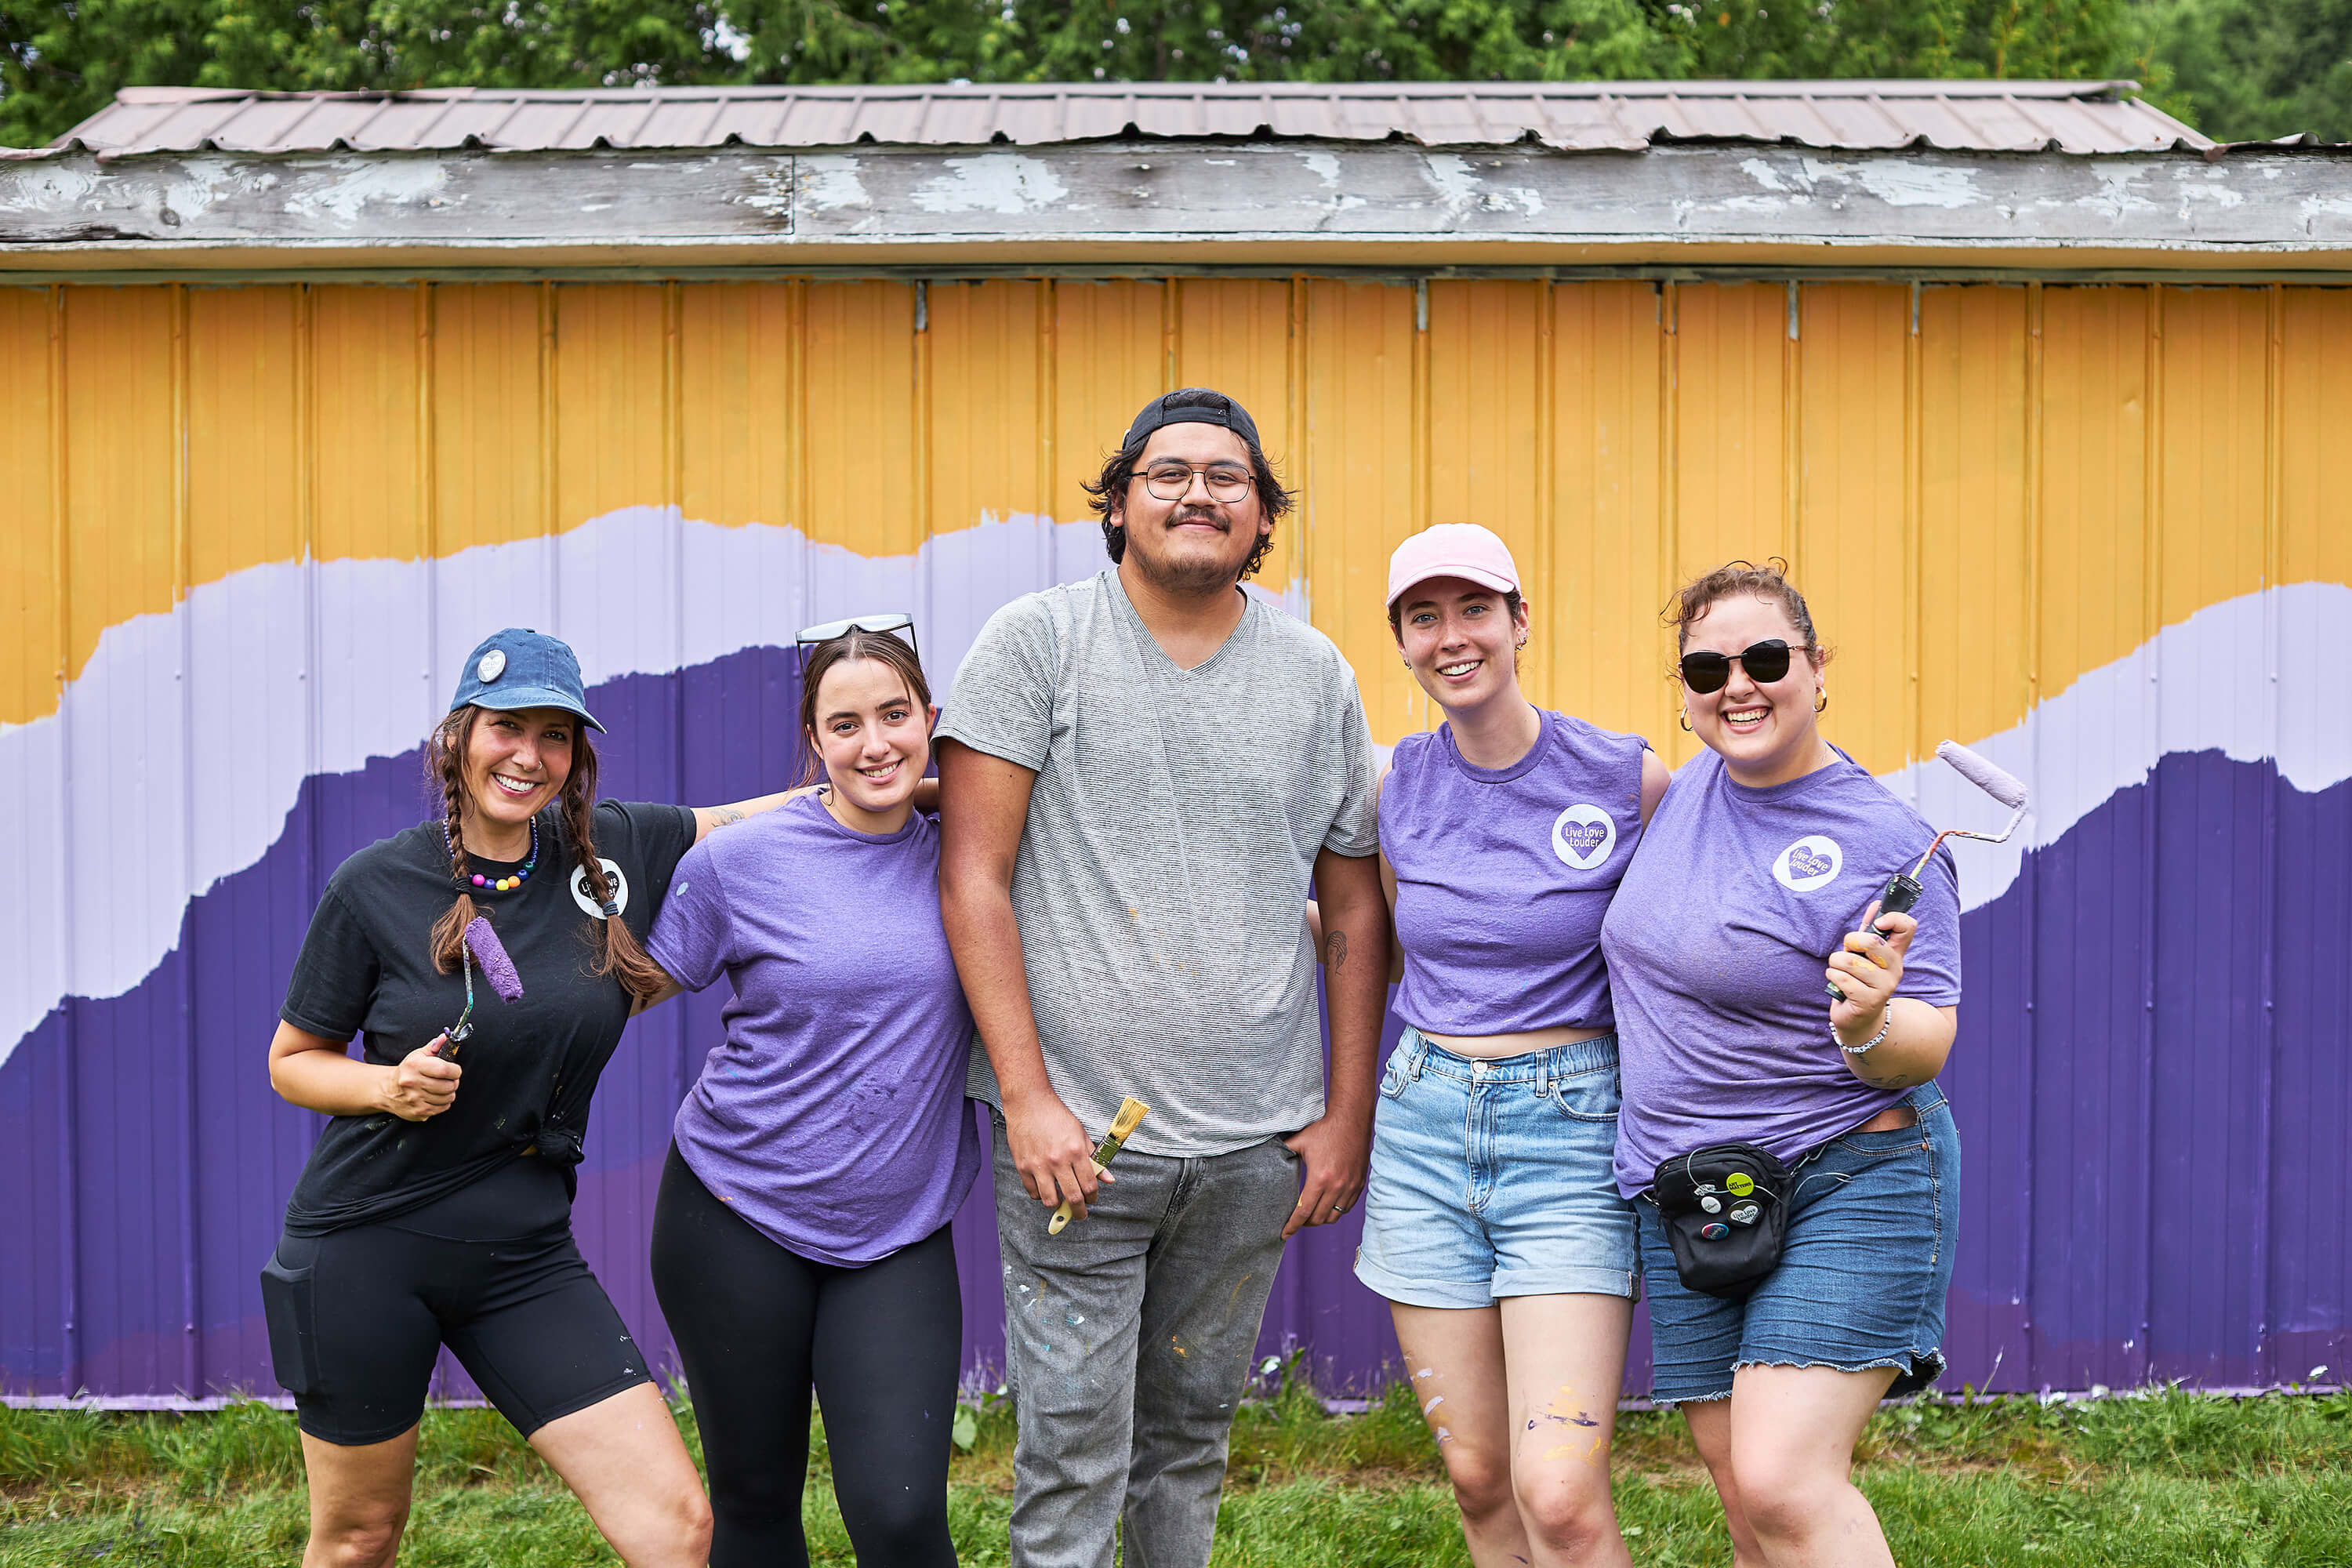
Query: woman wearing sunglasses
pixel 435 1208
pixel 802 1233
pixel 1491 1221
pixel 1763 1000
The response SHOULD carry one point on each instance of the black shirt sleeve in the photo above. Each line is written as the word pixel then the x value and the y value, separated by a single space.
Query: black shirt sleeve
pixel 649 839
pixel 335 974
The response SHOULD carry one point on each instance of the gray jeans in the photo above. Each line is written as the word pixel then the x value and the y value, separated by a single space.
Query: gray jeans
pixel 1129 1338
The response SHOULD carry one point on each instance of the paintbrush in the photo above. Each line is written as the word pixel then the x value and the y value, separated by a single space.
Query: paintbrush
pixel 1130 1111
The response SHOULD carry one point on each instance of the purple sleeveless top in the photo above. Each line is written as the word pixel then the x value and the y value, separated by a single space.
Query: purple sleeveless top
pixel 1504 874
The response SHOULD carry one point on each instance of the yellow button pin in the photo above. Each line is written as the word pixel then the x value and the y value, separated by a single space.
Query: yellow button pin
pixel 1740 1183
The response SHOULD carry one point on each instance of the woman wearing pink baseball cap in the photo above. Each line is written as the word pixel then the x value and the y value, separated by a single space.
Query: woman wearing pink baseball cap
pixel 1492 1222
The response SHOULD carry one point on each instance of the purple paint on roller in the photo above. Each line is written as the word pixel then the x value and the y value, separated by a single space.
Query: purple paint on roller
pixel 496 967
pixel 2003 787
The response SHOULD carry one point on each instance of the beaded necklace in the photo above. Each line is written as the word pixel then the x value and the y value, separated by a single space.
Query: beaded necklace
pixel 503 884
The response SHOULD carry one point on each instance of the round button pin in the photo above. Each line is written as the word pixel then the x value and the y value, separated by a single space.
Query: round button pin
pixel 1714 1230
pixel 1712 1205
pixel 1744 1214
pixel 1740 1183
pixel 493 664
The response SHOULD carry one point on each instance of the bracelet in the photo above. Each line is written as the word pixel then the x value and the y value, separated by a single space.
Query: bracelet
pixel 1864 1048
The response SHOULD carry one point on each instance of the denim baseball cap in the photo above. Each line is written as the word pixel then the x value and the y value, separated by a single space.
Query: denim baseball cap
pixel 518 668
pixel 1225 411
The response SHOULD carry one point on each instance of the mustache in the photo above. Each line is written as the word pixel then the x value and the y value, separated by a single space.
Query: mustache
pixel 1214 516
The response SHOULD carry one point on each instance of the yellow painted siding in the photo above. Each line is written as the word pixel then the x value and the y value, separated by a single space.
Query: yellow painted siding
pixel 32 643
pixel 366 407
pixel 1986 489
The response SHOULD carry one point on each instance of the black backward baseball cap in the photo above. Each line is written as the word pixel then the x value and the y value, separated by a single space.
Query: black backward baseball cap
pixel 1215 408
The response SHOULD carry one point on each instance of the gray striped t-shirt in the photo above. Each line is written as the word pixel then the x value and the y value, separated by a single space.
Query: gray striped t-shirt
pixel 1161 883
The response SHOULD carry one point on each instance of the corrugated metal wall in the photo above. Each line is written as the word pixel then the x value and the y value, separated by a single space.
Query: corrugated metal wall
pixel 249 531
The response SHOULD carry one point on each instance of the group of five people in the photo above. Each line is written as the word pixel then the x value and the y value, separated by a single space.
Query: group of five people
pixel 1140 780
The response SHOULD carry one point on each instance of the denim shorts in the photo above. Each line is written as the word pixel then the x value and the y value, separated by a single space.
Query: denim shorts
pixel 1861 1278
pixel 1493 1178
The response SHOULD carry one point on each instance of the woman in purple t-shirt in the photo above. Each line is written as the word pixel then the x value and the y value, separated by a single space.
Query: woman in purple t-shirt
pixel 1756 1004
pixel 801 1235
pixel 1491 1222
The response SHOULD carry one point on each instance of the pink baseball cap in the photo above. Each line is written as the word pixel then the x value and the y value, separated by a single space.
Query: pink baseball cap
pixel 1463 549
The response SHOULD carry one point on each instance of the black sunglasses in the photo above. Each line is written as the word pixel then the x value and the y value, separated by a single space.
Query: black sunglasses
pixel 1765 663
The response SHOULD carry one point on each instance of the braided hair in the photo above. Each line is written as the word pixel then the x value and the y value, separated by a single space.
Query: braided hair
pixel 444 764
pixel 618 952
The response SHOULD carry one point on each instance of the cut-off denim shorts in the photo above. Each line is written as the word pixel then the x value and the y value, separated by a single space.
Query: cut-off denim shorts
pixel 1863 1273
pixel 1493 1178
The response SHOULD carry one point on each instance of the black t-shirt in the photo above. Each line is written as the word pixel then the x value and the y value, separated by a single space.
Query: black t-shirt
pixel 530 1067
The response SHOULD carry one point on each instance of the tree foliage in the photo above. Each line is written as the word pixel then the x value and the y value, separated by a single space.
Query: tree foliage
pixel 2247 71
pixel 2252 61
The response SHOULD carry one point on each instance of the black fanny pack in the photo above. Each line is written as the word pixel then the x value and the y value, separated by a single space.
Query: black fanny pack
pixel 1726 1210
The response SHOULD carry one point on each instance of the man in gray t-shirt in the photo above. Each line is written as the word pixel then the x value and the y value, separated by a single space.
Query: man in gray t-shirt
pixel 1139 774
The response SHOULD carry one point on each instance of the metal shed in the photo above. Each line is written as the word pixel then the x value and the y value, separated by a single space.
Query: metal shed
pixel 2030 382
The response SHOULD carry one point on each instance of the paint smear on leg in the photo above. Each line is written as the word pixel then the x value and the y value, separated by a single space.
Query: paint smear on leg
pixel 1433 1405
pixel 1443 1436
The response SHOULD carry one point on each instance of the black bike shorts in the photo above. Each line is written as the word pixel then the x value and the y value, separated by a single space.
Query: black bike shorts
pixel 357 1317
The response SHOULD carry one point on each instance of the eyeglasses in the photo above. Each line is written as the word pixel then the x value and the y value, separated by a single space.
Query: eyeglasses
pixel 1765 663
pixel 1172 480
pixel 825 631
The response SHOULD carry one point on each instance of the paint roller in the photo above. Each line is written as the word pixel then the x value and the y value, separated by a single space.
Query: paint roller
pixel 1130 1111
pixel 482 945
pixel 1903 889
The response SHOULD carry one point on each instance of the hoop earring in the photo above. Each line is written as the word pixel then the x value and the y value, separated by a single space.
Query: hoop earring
pixel 1822 705
pixel 1683 720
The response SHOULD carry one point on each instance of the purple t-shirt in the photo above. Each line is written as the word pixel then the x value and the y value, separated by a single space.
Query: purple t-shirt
pixel 1717 945
pixel 833 1117
pixel 1503 875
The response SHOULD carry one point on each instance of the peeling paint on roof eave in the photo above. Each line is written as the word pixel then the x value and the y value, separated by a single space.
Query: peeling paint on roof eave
pixel 1149 243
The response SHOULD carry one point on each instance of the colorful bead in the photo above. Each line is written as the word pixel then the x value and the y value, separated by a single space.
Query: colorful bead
pixel 504 884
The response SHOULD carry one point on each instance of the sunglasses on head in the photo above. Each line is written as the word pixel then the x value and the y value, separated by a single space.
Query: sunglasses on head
pixel 1765 663
pixel 892 625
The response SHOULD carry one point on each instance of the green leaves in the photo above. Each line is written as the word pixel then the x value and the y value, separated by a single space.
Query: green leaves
pixel 2256 67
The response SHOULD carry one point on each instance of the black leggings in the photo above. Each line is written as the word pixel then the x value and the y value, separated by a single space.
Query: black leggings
pixel 756 1324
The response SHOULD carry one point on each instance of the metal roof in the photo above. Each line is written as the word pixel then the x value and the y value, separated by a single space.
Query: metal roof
pixel 1858 115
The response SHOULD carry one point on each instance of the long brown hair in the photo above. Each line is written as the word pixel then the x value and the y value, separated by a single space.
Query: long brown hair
pixel 618 953
pixel 855 642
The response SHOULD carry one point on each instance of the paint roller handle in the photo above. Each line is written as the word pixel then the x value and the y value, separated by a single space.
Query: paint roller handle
pixel 1902 892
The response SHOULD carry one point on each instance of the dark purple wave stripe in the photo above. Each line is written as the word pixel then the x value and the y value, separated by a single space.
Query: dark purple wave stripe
pixel 2151 1082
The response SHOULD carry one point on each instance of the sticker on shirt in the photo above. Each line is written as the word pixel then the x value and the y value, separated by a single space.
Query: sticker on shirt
pixel 1810 862
pixel 586 900
pixel 1583 835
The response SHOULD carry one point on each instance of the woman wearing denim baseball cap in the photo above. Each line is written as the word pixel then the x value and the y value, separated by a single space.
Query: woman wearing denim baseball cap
pixel 435 1209
pixel 1491 1222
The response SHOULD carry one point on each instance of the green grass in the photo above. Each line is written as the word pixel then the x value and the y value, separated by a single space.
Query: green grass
pixel 2170 1480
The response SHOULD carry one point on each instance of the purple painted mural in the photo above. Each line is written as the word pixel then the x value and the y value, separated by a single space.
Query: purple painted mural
pixel 2151 1082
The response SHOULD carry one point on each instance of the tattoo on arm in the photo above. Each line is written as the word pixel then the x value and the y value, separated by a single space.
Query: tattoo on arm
pixel 1335 948
pixel 721 815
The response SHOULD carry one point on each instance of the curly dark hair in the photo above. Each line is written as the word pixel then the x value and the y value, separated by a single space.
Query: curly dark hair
pixel 1119 467
pixel 1769 580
